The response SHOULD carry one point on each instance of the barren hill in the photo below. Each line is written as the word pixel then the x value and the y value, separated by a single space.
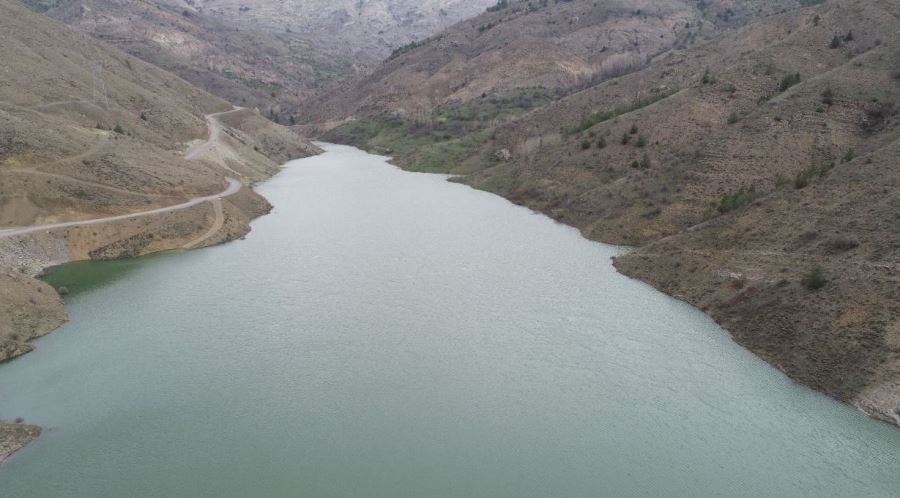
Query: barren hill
pixel 263 53
pixel 90 133
pixel 87 133
pixel 547 44
pixel 756 170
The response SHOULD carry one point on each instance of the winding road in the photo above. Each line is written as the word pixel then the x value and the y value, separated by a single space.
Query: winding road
pixel 196 152
pixel 215 132
pixel 233 187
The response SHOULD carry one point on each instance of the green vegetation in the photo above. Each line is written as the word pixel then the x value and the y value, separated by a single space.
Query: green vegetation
pixel 601 144
pixel 118 129
pixel 849 156
pixel 789 80
pixel 708 78
pixel 42 5
pixel 737 199
pixel 443 140
pixel 733 118
pixel 500 5
pixel 781 181
pixel 409 47
pixel 828 96
pixel 641 141
pixel 815 279
pixel 807 174
pixel 596 118
pixel 585 144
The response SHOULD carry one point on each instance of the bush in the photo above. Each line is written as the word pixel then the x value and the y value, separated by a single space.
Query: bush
pixel 118 129
pixel 633 130
pixel 828 96
pixel 736 200
pixel 789 80
pixel 601 144
pixel 815 279
pixel 849 156
pixel 781 181
pixel 807 174
pixel 708 78
pixel 733 118
pixel 641 141
pixel 585 144
pixel 626 138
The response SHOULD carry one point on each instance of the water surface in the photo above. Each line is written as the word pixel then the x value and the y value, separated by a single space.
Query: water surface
pixel 391 334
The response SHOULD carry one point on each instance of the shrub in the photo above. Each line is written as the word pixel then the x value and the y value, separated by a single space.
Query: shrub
pixel 849 156
pixel 807 174
pixel 789 80
pixel 645 162
pixel 708 78
pixel 601 144
pixel 118 129
pixel 815 279
pixel 595 118
pixel 585 144
pixel 733 118
pixel 625 139
pixel 736 200
pixel 500 5
pixel 633 130
pixel 836 42
pixel 641 141
pixel 828 96
pixel 781 181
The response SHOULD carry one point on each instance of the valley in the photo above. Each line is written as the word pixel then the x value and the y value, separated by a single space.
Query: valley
pixel 745 153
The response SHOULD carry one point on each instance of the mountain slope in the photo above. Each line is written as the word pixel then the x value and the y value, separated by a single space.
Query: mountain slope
pixel 525 44
pixel 264 53
pixel 89 132
pixel 756 170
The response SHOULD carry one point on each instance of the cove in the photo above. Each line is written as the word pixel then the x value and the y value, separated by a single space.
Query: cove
pixel 391 334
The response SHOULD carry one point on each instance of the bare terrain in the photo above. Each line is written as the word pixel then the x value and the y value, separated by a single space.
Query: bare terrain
pixel 94 164
pixel 266 54
pixel 755 169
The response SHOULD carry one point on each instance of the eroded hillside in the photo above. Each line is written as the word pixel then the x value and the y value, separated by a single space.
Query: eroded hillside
pixel 271 55
pixel 88 132
pixel 755 167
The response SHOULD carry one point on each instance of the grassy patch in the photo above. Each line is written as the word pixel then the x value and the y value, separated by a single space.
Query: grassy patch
pixel 444 140
pixel 595 118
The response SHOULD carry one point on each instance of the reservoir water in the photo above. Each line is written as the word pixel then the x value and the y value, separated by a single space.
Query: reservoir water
pixel 391 334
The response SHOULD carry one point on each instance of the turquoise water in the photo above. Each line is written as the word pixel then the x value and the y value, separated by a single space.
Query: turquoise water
pixel 390 334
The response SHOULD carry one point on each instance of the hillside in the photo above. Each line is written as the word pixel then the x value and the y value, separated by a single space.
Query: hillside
pixel 89 132
pixel 559 45
pixel 756 169
pixel 266 54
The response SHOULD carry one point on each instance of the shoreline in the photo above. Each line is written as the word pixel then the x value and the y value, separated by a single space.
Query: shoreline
pixel 15 436
pixel 26 253
pixel 629 265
